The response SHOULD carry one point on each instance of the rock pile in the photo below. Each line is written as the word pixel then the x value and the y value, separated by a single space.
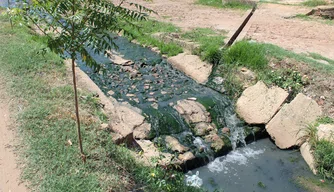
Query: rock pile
pixel 285 124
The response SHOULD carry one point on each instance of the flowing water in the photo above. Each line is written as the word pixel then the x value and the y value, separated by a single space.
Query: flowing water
pixel 259 166
pixel 256 167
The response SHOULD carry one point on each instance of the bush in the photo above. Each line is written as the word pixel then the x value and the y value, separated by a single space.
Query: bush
pixel 244 53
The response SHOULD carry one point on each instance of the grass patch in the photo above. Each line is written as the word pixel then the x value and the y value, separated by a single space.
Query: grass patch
pixel 47 122
pixel 210 43
pixel 149 27
pixel 323 150
pixel 324 155
pixel 314 3
pixel 230 4
pixel 256 56
pixel 244 53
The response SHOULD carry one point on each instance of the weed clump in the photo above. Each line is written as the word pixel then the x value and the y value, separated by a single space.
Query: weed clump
pixel 247 54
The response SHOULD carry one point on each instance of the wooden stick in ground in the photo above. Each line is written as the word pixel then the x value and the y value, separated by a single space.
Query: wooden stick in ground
pixel 242 26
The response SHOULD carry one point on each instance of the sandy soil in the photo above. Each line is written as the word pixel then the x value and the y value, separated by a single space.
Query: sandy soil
pixel 269 24
pixel 9 172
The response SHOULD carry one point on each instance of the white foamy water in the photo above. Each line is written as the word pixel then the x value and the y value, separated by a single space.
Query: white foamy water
pixel 194 180
pixel 236 157
pixel 237 133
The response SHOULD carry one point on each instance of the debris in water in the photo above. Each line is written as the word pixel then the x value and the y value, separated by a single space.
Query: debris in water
pixel 194 180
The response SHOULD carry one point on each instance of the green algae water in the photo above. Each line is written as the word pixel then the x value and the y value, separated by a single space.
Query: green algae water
pixel 155 86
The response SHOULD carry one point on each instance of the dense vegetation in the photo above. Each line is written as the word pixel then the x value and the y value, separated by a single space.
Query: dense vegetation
pixel 40 85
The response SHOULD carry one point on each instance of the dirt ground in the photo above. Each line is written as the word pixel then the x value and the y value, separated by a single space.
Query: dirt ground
pixel 269 24
pixel 9 172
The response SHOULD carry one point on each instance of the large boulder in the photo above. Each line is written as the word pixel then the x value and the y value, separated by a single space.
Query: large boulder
pixel 287 126
pixel 258 104
pixel 307 154
pixel 192 66
pixel 326 132
pixel 192 111
pixel 175 145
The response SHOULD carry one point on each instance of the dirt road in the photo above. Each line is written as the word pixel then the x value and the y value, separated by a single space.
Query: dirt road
pixel 269 24
pixel 9 173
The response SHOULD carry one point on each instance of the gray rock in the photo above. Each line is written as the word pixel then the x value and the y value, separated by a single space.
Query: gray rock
pixel 124 121
pixel 192 111
pixel 192 66
pixel 186 157
pixel 326 132
pixel 215 141
pixel 175 145
pixel 203 128
pixel 288 125
pixel 142 131
pixel 307 154
pixel 258 104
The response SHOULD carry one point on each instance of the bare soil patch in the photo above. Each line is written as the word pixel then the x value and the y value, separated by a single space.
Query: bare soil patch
pixel 9 171
pixel 269 23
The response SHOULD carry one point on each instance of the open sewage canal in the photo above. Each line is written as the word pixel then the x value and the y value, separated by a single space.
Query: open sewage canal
pixel 152 85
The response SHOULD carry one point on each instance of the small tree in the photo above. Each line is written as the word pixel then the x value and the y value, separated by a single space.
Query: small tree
pixel 72 26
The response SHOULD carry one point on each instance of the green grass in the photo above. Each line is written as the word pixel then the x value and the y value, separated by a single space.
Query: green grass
pixel 314 3
pixel 255 56
pixel 323 150
pixel 230 4
pixel 149 27
pixel 244 53
pixel 42 91
pixel 210 43
pixel 324 155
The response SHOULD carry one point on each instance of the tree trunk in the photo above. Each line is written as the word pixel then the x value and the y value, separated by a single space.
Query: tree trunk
pixel 77 111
